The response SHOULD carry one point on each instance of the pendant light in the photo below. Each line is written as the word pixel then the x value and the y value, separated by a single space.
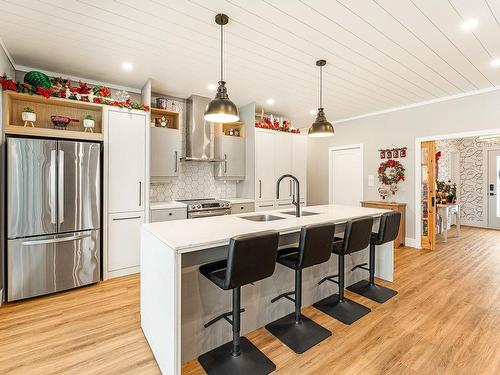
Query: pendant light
pixel 221 109
pixel 321 127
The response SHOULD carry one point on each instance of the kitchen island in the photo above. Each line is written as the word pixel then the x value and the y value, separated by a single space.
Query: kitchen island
pixel 176 300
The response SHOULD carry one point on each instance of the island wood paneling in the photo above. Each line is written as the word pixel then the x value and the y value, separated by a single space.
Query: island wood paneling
pixel 444 320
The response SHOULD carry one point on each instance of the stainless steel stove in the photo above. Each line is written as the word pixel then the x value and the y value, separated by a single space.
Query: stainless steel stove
pixel 206 207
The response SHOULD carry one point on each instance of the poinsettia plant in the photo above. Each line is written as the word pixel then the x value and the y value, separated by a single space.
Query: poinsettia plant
pixel 391 172
pixel 266 123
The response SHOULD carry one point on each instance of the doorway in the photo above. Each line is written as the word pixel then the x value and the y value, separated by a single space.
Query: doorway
pixel 494 188
pixel 461 188
pixel 346 175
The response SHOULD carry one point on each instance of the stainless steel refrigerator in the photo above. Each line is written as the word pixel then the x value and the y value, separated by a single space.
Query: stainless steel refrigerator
pixel 53 216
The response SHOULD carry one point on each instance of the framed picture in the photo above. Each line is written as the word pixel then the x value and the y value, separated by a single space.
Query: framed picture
pixel 395 153
pixel 382 154
pixel 389 154
pixel 402 153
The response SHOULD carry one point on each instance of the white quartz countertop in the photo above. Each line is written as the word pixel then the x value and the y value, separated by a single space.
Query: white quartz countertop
pixel 238 200
pixel 195 234
pixel 166 205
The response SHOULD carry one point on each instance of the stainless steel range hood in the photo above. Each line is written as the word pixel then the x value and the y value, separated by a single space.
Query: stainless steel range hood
pixel 199 132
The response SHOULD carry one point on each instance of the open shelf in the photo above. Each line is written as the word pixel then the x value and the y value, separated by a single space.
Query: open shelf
pixel 172 117
pixel 14 103
pixel 224 129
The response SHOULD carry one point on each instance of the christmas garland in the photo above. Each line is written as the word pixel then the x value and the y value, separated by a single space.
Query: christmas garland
pixel 391 172
pixel 266 123
pixel 61 88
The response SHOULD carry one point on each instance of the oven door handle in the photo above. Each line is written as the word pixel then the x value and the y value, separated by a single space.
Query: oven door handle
pixel 198 214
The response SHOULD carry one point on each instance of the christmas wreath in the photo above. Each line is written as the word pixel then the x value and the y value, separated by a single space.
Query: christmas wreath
pixel 391 172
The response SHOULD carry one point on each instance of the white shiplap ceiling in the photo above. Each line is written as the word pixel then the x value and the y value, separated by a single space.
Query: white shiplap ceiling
pixel 381 53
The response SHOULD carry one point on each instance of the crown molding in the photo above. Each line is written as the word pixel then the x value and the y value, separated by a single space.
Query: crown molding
pixel 419 104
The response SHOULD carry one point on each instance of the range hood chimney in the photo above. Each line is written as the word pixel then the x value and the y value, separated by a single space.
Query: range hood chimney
pixel 199 134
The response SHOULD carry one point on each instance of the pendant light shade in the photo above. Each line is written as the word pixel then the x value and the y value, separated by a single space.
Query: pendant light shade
pixel 221 109
pixel 321 127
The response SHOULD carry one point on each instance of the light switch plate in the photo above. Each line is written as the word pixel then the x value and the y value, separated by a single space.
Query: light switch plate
pixel 371 180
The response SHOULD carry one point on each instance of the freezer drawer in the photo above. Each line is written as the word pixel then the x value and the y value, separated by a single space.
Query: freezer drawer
pixel 47 264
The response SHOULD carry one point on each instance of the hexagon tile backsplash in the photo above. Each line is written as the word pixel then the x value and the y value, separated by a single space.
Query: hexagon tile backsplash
pixel 196 180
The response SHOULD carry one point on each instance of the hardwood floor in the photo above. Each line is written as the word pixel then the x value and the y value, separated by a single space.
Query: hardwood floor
pixel 445 320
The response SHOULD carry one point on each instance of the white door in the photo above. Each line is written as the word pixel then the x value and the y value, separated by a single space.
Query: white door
pixel 346 175
pixel 165 152
pixel 124 240
pixel 127 161
pixel 283 163
pixel 494 188
pixel 265 183
pixel 299 163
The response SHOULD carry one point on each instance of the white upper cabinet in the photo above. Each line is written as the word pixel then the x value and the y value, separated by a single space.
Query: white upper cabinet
pixel 232 151
pixel 299 163
pixel 165 153
pixel 283 162
pixel 126 161
pixel 265 182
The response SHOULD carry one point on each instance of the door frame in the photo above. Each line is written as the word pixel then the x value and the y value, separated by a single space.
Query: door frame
pixel 418 169
pixel 331 150
pixel 486 172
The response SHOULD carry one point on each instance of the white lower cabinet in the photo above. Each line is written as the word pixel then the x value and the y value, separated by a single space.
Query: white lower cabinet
pixel 168 214
pixel 242 208
pixel 124 240
pixel 264 206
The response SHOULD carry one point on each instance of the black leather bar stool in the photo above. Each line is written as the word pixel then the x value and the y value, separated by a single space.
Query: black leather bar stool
pixel 387 231
pixel 356 238
pixel 296 331
pixel 250 258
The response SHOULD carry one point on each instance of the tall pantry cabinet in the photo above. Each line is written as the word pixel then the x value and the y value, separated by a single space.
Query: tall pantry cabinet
pixel 126 189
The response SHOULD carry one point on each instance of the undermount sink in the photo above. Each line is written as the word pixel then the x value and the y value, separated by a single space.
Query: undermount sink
pixel 265 217
pixel 302 213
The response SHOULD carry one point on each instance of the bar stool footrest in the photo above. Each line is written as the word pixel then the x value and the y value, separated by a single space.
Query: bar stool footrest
pixel 298 337
pixel 375 292
pixel 362 266
pixel 284 295
pixel 224 316
pixel 329 278
pixel 251 360
pixel 346 311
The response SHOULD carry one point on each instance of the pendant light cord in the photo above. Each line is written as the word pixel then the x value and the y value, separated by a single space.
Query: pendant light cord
pixel 221 53
pixel 321 87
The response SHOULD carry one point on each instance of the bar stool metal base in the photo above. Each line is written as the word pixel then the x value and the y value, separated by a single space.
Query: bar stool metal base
pixel 374 292
pixel 251 360
pixel 346 311
pixel 298 337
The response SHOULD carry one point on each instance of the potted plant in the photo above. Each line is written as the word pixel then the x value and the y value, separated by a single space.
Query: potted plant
pixel 89 123
pixel 29 116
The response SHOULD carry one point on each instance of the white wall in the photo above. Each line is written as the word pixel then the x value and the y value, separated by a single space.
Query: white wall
pixel 398 129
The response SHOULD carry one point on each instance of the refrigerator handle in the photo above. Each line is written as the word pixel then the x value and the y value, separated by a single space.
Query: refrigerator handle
pixel 52 188
pixel 75 237
pixel 60 191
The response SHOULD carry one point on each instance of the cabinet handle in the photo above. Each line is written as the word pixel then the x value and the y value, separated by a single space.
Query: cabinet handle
pixel 266 205
pixel 126 218
pixel 140 193
pixel 290 188
pixel 282 204
pixel 176 168
pixel 260 188
pixel 225 163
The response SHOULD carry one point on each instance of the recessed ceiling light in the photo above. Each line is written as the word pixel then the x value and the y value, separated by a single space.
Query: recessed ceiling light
pixel 495 63
pixel 212 87
pixel 270 101
pixel 127 66
pixel 312 112
pixel 469 24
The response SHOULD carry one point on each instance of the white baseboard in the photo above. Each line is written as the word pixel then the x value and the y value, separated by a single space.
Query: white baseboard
pixel 122 272
pixel 411 242
pixel 475 224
